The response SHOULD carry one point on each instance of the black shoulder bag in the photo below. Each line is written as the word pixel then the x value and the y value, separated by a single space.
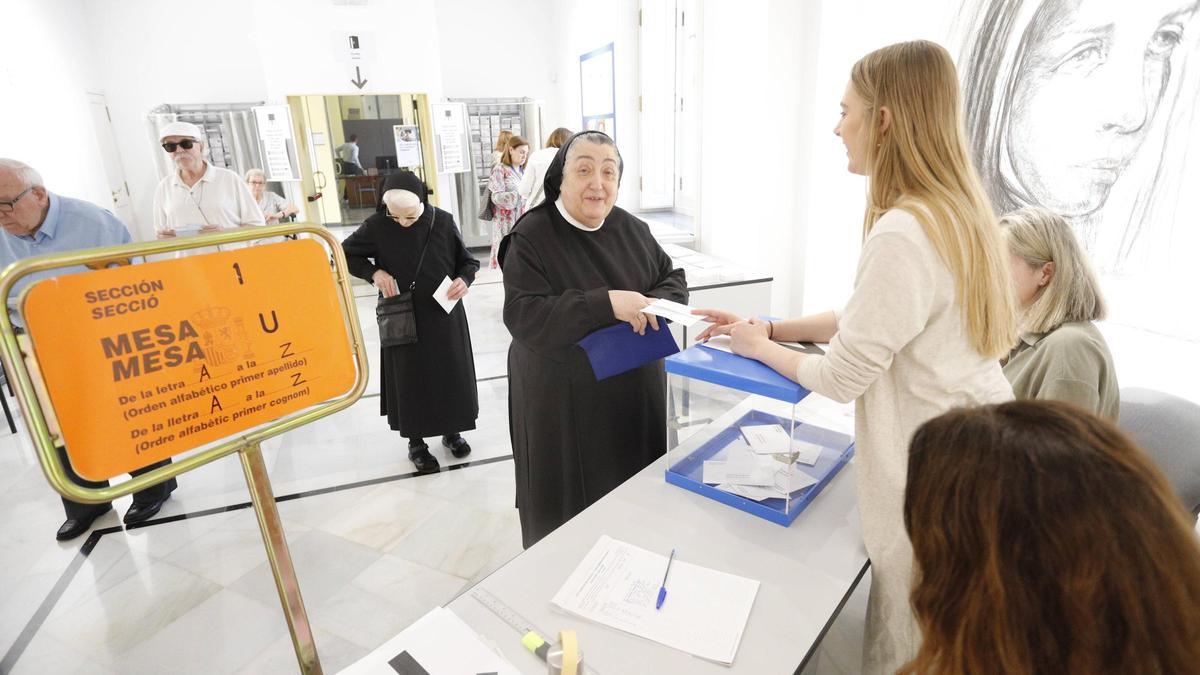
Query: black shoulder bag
pixel 397 321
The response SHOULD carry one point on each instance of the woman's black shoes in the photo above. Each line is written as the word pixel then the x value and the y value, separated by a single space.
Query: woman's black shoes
pixel 420 457
pixel 457 444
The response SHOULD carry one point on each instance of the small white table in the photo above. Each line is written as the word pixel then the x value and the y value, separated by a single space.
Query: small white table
pixel 807 572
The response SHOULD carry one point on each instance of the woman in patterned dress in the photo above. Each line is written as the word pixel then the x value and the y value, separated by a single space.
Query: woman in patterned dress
pixel 505 185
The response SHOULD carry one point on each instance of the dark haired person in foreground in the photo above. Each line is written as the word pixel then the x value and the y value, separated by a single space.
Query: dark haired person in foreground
pixel 1046 541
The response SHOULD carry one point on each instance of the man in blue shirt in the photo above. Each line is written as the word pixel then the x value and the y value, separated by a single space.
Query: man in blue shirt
pixel 36 222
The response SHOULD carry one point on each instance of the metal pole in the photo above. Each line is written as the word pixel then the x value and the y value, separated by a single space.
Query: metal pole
pixel 281 560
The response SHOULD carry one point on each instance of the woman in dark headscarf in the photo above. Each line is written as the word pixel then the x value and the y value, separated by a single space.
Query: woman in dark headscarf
pixel 426 388
pixel 572 265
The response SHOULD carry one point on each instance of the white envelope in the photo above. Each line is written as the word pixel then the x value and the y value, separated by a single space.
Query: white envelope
pixel 741 466
pixel 755 492
pixel 766 439
pixel 680 314
pixel 799 481
pixel 442 295
pixel 809 453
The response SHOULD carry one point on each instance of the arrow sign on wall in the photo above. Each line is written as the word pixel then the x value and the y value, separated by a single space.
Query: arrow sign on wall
pixel 358 80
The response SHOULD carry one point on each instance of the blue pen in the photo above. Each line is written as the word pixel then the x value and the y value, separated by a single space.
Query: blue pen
pixel 662 590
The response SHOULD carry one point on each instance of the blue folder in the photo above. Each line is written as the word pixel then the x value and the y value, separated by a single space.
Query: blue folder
pixel 617 349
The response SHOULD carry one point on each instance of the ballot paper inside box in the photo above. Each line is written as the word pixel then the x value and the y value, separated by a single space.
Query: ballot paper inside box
pixel 737 433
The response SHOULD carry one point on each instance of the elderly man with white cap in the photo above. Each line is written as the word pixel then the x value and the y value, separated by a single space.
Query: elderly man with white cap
pixel 198 196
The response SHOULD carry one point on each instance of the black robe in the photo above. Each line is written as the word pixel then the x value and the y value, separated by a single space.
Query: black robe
pixel 575 438
pixel 427 388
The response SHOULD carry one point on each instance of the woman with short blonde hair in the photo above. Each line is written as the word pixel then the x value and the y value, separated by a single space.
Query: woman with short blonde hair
pixel 931 313
pixel 1061 354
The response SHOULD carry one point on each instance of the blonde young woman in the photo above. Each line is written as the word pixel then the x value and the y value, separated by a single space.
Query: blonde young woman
pixel 1061 354
pixel 931 312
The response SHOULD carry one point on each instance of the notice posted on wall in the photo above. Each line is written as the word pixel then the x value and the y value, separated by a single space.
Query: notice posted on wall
pixel 144 362
pixel 408 145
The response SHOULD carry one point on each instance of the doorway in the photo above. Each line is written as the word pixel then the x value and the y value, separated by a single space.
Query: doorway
pixel 114 171
pixel 669 59
pixel 351 143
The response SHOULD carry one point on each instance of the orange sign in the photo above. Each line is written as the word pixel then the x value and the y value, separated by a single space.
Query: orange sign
pixel 143 362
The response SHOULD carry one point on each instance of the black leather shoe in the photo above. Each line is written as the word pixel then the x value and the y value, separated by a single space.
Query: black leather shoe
pixel 77 526
pixel 420 457
pixel 140 513
pixel 457 444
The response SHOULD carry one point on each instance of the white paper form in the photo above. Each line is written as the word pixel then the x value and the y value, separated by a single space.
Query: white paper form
pixel 680 314
pixel 442 295
pixel 616 584
pixel 441 644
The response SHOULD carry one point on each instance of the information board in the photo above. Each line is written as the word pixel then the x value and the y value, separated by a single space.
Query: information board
pixel 450 132
pixel 144 362
pixel 274 124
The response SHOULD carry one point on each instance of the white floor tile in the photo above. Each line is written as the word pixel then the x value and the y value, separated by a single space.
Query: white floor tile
pixel 114 621
pixel 324 565
pixel 220 635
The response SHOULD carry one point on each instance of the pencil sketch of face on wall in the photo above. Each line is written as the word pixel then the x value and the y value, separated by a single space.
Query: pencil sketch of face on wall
pixel 1084 107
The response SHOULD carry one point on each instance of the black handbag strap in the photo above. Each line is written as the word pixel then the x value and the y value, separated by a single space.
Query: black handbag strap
pixel 432 220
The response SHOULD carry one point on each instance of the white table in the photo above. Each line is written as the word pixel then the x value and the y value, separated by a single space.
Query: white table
pixel 807 572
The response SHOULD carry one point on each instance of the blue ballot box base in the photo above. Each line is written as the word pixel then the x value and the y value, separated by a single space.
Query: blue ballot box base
pixel 836 450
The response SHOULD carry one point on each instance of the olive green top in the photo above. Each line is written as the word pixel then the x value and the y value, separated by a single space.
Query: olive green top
pixel 1070 363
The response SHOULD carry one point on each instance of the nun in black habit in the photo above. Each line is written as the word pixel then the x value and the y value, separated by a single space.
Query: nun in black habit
pixel 426 388
pixel 572 265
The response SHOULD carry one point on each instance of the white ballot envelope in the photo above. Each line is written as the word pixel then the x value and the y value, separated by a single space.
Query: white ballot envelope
pixel 772 439
pixel 442 295
pixel 766 439
pixel 680 314
pixel 799 481
pixel 741 466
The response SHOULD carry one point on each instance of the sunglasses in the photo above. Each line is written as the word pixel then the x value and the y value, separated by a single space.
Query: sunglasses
pixel 186 144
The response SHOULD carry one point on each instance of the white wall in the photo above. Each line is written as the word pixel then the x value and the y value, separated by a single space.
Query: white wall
pixel 586 26
pixel 47 66
pixel 490 49
pixel 759 68
pixel 833 219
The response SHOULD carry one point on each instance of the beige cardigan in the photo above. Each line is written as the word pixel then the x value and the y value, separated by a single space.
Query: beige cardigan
pixel 901 352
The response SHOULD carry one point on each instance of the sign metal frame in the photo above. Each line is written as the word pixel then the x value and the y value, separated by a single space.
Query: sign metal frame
pixel 20 361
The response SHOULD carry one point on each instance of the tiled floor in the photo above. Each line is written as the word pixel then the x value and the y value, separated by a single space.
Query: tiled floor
pixel 374 547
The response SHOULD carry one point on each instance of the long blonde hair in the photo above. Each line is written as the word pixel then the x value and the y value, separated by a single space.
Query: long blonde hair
pixel 920 164
pixel 1039 236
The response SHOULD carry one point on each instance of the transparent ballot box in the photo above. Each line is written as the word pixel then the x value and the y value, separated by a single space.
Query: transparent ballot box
pixel 738 433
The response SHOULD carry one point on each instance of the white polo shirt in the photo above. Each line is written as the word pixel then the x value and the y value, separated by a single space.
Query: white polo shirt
pixel 218 198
